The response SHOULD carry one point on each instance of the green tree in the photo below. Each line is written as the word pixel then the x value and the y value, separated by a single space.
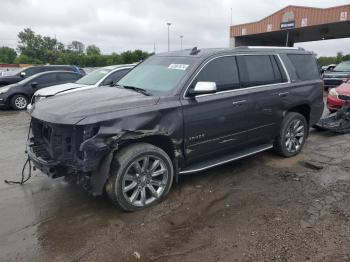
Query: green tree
pixel 339 57
pixel 7 55
pixel 93 50
pixel 77 46
pixel 37 49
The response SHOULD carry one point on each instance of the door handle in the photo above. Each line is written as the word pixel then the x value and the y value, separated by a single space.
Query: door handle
pixel 283 94
pixel 239 103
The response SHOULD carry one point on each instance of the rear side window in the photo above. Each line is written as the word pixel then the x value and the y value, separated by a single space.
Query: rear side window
pixel 305 66
pixel 256 70
pixel 66 77
pixel 223 71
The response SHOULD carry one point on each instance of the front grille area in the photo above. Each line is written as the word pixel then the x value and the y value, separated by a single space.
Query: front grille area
pixel 344 97
pixel 40 151
pixel 55 142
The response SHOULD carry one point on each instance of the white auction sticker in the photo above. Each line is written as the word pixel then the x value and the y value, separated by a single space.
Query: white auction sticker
pixel 178 66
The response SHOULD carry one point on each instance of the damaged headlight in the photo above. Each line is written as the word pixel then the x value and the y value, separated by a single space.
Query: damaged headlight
pixel 333 92
pixel 90 131
pixel 37 99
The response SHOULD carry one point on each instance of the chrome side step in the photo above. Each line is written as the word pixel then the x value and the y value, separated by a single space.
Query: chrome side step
pixel 223 160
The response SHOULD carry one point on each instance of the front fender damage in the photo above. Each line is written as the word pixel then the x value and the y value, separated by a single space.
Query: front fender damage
pixel 115 133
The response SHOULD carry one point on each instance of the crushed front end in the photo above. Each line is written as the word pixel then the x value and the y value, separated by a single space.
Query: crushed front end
pixel 61 150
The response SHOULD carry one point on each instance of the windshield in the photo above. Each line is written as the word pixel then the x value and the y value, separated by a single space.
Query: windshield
pixel 342 67
pixel 158 74
pixel 93 77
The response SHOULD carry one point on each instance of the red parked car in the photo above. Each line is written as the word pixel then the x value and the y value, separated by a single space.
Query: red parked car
pixel 337 96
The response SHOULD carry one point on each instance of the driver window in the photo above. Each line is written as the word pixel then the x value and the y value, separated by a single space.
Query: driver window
pixel 223 71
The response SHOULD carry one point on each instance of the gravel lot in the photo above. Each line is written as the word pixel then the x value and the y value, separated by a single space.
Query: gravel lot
pixel 261 208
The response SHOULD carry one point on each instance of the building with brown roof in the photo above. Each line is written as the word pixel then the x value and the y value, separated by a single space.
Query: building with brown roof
pixel 294 24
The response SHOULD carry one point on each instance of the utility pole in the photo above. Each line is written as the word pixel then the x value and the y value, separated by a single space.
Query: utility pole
pixel 181 37
pixel 287 39
pixel 168 24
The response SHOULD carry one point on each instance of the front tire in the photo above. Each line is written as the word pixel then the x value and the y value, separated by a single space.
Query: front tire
pixel 292 136
pixel 19 102
pixel 141 176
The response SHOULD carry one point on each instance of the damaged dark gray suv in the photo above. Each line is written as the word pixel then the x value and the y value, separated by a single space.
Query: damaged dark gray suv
pixel 177 113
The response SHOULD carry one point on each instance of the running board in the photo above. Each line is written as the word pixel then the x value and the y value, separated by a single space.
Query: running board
pixel 223 160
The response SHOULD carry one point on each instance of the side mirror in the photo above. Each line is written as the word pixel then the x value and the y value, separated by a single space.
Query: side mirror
pixel 23 74
pixel 34 85
pixel 203 88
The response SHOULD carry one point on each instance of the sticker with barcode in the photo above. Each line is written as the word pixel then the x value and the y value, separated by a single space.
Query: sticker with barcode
pixel 178 66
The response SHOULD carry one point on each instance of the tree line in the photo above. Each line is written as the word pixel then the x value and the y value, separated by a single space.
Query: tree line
pixel 34 48
pixel 327 60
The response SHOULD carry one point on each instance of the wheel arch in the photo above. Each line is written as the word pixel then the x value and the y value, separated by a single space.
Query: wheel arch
pixel 100 176
pixel 303 109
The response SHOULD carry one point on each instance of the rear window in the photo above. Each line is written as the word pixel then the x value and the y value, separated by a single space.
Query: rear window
pixel 256 70
pixel 305 66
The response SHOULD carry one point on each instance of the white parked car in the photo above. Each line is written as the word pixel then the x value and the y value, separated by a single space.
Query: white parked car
pixel 103 76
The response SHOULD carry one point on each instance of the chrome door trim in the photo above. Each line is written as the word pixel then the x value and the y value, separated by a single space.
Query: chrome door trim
pixel 239 89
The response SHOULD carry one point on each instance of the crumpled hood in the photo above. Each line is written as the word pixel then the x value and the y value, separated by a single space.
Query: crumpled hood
pixel 91 105
pixel 54 90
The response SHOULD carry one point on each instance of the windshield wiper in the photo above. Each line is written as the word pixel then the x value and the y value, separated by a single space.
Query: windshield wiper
pixel 137 89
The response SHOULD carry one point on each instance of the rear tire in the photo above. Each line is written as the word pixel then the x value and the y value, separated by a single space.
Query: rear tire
pixel 19 102
pixel 141 176
pixel 292 136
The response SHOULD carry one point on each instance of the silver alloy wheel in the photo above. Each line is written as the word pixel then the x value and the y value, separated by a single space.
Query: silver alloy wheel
pixel 21 102
pixel 294 137
pixel 145 180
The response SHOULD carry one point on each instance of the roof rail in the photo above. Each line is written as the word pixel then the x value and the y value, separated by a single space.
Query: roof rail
pixel 274 47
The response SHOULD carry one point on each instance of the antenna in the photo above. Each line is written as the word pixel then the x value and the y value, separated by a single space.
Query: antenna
pixel 195 51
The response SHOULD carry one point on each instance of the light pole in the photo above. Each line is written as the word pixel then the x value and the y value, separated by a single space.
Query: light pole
pixel 168 24
pixel 181 37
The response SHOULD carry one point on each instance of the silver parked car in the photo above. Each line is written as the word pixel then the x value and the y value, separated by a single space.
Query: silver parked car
pixel 104 76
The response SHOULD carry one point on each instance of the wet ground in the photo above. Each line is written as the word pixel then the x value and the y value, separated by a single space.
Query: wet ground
pixel 261 208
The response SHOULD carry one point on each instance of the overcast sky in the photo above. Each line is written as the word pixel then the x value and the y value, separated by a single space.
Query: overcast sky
pixel 119 25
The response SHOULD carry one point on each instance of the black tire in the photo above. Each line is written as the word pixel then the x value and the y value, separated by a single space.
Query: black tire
pixel 281 141
pixel 125 161
pixel 19 102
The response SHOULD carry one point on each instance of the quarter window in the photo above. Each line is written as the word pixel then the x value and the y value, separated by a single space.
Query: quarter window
pixel 305 66
pixel 223 71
